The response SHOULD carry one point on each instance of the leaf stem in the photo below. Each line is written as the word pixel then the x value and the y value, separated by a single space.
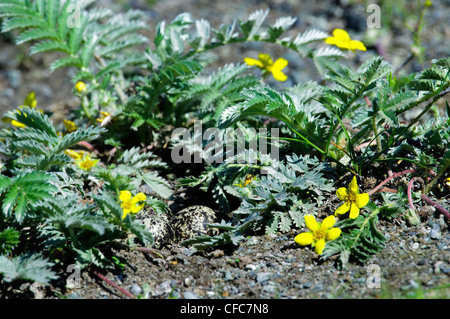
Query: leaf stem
pixel 113 284
pixel 394 175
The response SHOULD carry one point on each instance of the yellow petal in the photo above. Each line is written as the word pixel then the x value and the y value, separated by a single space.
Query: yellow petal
pixel 251 62
pixel 70 126
pixel 125 212
pixel 73 154
pixel 125 196
pixel 343 209
pixel 357 45
pixel 265 59
pixel 277 67
pixel 328 222
pixel 138 198
pixel 354 211
pixel 280 64
pixel 319 246
pixel 331 40
pixel 135 209
pixel 341 35
pixel 353 186
pixel 304 239
pixel 362 200
pixel 279 76
pixel 30 100
pixel 17 124
pixel 342 193
pixel 311 223
pixel 80 86
pixel 332 234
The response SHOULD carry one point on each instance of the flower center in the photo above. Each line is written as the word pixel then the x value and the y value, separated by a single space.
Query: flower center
pixel 351 197
pixel 318 234
pixel 127 205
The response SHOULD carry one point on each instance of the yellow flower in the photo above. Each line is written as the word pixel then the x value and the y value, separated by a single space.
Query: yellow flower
pixel 70 126
pixel 29 101
pixel 86 162
pixel 353 199
pixel 74 154
pixel 80 87
pixel 447 181
pixel 265 62
pixel 129 203
pixel 248 180
pixel 320 233
pixel 342 40
pixel 104 116
pixel 428 3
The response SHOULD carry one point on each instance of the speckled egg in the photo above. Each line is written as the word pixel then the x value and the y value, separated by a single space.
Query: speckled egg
pixel 160 229
pixel 192 222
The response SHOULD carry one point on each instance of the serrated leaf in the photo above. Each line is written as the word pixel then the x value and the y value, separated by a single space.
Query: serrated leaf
pixel 157 184
pixel 27 267
pixel 82 134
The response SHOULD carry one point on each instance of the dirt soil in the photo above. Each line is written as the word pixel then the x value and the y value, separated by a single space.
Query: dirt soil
pixel 414 263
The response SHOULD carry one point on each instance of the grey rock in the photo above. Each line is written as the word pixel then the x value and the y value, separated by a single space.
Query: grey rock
pixel 264 276
pixel 135 289
pixel 190 295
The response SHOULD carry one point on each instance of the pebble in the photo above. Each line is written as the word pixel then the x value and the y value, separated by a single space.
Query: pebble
pixel 435 233
pixel 264 276
pixel 190 295
pixel 163 288
pixel 135 289
pixel 251 267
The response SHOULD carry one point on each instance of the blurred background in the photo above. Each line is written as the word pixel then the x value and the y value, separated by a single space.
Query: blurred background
pixel 395 40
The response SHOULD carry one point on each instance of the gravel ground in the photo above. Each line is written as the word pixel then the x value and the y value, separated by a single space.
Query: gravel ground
pixel 415 262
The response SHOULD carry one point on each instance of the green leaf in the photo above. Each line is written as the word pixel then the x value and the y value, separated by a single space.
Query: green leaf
pixel 27 267
pixel 157 184
pixel 80 135
pixel 9 239
pixel 24 190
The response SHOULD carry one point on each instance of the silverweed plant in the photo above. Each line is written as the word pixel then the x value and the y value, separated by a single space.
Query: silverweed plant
pixel 70 190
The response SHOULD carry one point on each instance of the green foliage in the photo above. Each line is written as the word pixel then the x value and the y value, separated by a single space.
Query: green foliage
pixel 24 189
pixel 30 267
pixel 347 120
pixel 360 238
pixel 40 141
pixel 9 239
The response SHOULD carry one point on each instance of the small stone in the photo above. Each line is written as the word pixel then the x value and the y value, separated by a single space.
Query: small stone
pixel 217 253
pixel 252 241
pixel 435 233
pixel 163 288
pixel 438 267
pixel 263 276
pixel 135 289
pixel 307 285
pixel 190 295
pixel 188 281
pixel 251 267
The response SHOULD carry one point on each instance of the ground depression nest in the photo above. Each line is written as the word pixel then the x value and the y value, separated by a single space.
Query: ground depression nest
pixel 188 223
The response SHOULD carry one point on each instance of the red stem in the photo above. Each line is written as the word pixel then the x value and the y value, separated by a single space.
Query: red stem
pixel 394 175
pixel 409 193
pixel 113 284
pixel 436 205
